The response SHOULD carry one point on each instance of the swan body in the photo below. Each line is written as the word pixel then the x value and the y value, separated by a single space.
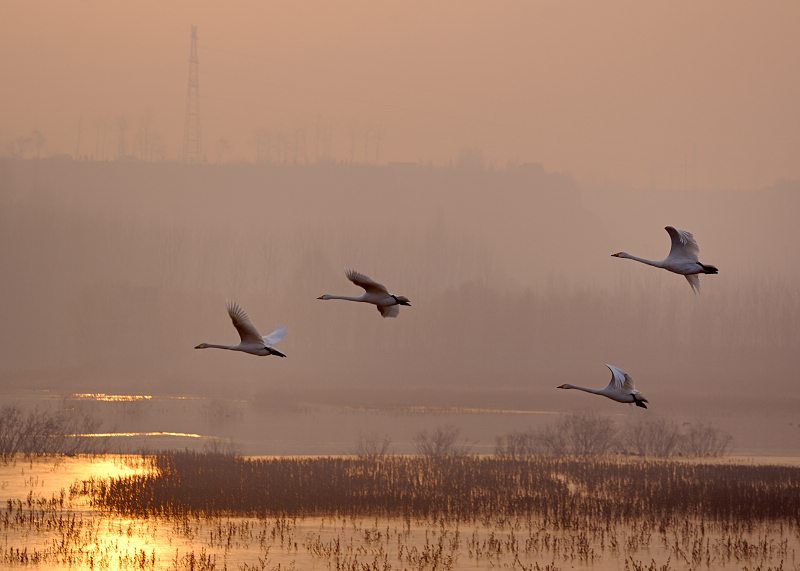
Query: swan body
pixel 251 341
pixel 620 388
pixel 682 258
pixel 387 303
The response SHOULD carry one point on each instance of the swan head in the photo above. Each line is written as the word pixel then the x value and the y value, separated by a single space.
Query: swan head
pixel 621 255
pixel 402 300
pixel 202 346
pixel 565 386
pixel 326 296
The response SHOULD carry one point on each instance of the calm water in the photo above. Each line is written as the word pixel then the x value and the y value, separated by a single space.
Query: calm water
pixel 283 423
pixel 70 534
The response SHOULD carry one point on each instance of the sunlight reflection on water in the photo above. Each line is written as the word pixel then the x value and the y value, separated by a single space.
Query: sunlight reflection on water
pixel 73 535
pixel 110 398
pixel 46 477
pixel 136 434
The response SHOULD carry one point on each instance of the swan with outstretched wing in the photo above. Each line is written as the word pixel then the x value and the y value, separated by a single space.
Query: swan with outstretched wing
pixel 250 340
pixel 620 388
pixel 682 258
pixel 377 294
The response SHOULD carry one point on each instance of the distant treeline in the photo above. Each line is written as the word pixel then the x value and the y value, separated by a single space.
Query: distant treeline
pixel 595 435
pixel 582 435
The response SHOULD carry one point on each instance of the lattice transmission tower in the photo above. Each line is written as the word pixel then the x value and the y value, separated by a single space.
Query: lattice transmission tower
pixel 191 127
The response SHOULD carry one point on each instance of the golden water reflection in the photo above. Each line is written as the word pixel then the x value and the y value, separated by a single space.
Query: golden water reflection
pixel 110 398
pixel 46 477
pixel 136 434
pixel 71 534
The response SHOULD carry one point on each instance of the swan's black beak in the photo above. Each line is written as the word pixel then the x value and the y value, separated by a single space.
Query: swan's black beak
pixel 320 297
pixel 615 255
pixel 560 387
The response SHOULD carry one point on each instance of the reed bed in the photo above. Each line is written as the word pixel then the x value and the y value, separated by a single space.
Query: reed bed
pixel 215 511
pixel 567 492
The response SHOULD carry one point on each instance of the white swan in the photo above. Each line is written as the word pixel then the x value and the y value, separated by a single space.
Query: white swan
pixel 682 258
pixel 620 389
pixel 251 340
pixel 377 294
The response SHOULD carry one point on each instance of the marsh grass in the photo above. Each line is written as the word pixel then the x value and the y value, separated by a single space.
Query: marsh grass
pixel 564 490
pixel 219 511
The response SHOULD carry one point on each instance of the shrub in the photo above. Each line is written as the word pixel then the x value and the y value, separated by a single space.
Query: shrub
pixel 651 436
pixel 701 440
pixel 443 442
pixel 594 435
pixel 579 435
pixel 39 432
pixel 518 445
pixel 371 447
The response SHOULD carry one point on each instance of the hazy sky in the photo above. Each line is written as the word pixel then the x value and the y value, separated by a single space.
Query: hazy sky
pixel 127 265
pixel 649 94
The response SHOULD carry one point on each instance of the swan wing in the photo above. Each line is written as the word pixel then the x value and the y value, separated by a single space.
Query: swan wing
pixel 620 380
pixel 628 385
pixel 276 336
pixel 370 285
pixel 694 281
pixel 389 310
pixel 684 246
pixel 247 331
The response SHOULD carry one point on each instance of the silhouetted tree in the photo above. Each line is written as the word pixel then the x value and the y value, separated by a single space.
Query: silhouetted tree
pixel 648 435
pixel 701 439
pixel 372 447
pixel 579 435
pixel 39 432
pixel 443 442
pixel 518 445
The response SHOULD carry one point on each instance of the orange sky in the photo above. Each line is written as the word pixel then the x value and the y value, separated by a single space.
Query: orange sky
pixel 657 94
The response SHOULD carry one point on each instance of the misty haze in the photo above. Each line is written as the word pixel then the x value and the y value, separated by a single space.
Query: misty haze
pixel 160 161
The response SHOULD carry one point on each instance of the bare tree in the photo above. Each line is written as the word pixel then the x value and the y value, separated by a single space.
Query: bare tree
pixel 372 447
pixel 594 435
pixel 579 435
pixel 39 432
pixel 518 445
pixel 651 436
pixel 703 440
pixel 443 442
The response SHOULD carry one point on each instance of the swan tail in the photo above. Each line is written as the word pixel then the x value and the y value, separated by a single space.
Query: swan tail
pixel 275 352
pixel 709 269
pixel 640 404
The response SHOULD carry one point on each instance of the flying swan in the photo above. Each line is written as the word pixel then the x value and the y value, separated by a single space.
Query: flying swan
pixel 251 340
pixel 377 294
pixel 682 258
pixel 620 388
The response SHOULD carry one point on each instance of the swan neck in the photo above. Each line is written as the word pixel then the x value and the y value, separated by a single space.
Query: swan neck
pixel 587 390
pixel 213 346
pixel 345 297
pixel 654 263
